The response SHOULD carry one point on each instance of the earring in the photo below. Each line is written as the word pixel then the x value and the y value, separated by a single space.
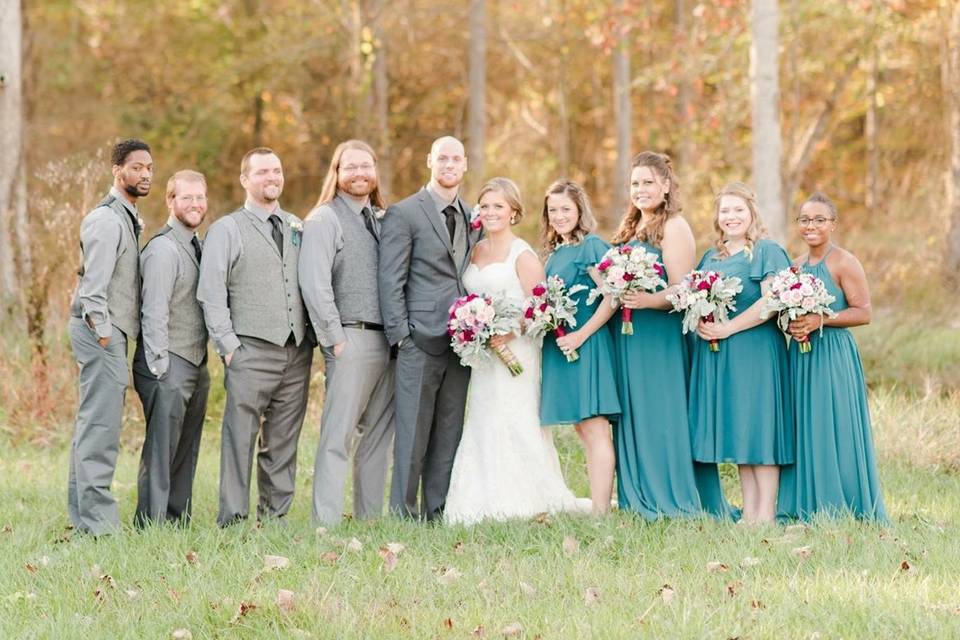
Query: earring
pixel 513 219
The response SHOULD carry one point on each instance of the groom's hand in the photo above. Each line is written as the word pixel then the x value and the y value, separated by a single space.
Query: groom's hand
pixel 338 349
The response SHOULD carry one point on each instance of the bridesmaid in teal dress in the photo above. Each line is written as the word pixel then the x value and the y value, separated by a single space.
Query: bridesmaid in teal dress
pixel 656 474
pixel 583 392
pixel 836 471
pixel 740 407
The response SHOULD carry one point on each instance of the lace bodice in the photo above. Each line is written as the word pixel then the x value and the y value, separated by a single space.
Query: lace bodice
pixel 498 277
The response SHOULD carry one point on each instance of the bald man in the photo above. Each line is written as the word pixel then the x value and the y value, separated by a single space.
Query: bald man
pixel 424 249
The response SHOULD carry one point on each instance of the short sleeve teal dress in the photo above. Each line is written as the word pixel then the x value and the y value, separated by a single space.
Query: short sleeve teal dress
pixel 574 391
pixel 740 402
pixel 656 474
pixel 836 471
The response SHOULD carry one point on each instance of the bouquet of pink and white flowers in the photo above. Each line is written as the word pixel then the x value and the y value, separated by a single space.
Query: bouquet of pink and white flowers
pixel 794 293
pixel 552 308
pixel 474 319
pixel 624 269
pixel 705 295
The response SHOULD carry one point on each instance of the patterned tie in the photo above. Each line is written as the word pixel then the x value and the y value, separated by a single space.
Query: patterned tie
pixel 277 233
pixel 195 241
pixel 368 222
pixel 450 213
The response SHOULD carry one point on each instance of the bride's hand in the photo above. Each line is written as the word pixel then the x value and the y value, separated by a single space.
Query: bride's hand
pixel 571 341
pixel 500 341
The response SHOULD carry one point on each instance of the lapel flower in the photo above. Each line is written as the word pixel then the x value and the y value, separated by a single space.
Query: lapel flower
pixel 475 222
pixel 296 229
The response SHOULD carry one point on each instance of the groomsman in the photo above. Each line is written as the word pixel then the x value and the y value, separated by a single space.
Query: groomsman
pixel 424 248
pixel 338 278
pixel 105 313
pixel 250 294
pixel 170 363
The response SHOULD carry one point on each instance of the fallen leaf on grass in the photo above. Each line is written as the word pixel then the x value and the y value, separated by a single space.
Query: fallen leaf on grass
pixel 527 589
pixel 320 531
pixel 666 593
pixel 458 547
pixel 541 518
pixel 570 545
pixel 749 562
pixel 174 595
pixel 181 634
pixel 803 552
pixel 192 557
pixel 30 568
pixel 242 610
pixel 447 575
pixel 132 593
pixel 717 567
pixel 389 559
pixel 44 560
pixel 271 563
pixel 330 557
pixel 395 547
pixel 448 623
pixel 478 630
pixel 7 529
pixel 732 588
pixel 591 595
pixel 906 567
pixel 285 600
pixel 354 545
pixel 512 629
pixel 756 604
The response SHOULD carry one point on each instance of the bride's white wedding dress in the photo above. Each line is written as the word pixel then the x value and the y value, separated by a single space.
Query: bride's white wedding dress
pixel 506 465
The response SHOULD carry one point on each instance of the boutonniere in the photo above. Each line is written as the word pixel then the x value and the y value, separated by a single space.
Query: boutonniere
pixel 141 225
pixel 475 222
pixel 296 229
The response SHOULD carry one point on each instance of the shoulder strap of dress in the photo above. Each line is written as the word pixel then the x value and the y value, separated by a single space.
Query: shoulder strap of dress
pixel 517 248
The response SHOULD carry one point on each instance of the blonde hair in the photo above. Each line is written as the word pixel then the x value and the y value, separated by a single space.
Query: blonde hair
pixel 187 175
pixel 586 222
pixel 652 231
pixel 329 189
pixel 258 151
pixel 755 230
pixel 510 192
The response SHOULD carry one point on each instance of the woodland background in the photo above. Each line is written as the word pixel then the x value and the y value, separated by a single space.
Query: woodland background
pixel 857 98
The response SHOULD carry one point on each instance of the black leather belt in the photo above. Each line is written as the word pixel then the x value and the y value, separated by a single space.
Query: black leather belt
pixel 369 326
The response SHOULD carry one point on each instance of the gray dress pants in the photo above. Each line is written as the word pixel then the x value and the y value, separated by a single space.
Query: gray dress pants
pixel 174 407
pixel 266 401
pixel 96 435
pixel 358 413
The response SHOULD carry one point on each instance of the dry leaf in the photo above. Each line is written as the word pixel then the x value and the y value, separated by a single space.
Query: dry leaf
pixel 330 557
pixel 756 604
pixel 795 528
pixel 749 562
pixel 905 566
pixel 541 518
pixel 7 529
pixel 478 630
pixel 30 568
pixel 242 610
pixel 527 589
pixel 389 559
pixel 570 545
pixel 44 560
pixel 174 595
pixel 512 629
pixel 591 595
pixel 96 571
pixel 803 552
pixel 354 545
pixel 395 547
pixel 132 593
pixel 733 588
pixel 181 634
pixel 716 567
pixel 448 623
pixel 192 557
pixel 275 562
pixel 666 593
pixel 320 531
pixel 447 575
pixel 285 600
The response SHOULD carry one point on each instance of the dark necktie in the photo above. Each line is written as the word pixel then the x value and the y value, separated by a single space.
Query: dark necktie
pixel 450 213
pixel 368 222
pixel 195 241
pixel 277 233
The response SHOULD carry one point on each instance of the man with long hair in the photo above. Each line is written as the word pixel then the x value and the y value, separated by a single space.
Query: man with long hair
pixel 338 279
pixel 105 315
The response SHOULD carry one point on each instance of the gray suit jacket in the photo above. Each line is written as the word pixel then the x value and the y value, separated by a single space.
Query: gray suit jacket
pixel 418 278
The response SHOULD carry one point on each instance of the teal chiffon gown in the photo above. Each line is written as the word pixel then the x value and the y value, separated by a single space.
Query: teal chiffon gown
pixel 836 471
pixel 740 401
pixel 574 391
pixel 656 474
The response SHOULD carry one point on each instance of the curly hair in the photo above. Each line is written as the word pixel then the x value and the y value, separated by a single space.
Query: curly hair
pixel 586 222
pixel 121 150
pixel 755 231
pixel 671 206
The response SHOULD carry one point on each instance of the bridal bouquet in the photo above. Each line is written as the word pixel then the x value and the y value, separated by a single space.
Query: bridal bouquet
pixel 792 294
pixel 552 308
pixel 474 319
pixel 624 269
pixel 705 295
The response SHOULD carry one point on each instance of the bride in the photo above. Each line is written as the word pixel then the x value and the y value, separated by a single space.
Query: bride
pixel 506 465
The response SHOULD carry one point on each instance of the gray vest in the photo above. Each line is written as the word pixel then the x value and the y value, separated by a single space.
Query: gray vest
pixel 186 330
pixel 123 291
pixel 263 289
pixel 355 268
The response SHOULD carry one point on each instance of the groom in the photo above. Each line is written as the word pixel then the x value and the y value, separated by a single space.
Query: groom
pixel 425 246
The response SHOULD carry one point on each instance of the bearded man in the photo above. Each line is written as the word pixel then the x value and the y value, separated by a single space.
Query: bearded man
pixel 338 279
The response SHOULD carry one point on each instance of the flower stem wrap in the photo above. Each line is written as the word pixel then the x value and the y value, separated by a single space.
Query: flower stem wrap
pixel 506 357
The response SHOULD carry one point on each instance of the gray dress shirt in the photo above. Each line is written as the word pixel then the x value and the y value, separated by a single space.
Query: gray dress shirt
pixel 159 268
pixel 100 234
pixel 221 249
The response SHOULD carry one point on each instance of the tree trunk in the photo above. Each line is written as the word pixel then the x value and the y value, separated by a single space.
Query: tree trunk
pixel 381 102
pixel 12 202
pixel 622 116
pixel 952 100
pixel 476 108
pixel 765 93
pixel 870 133
pixel 684 115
